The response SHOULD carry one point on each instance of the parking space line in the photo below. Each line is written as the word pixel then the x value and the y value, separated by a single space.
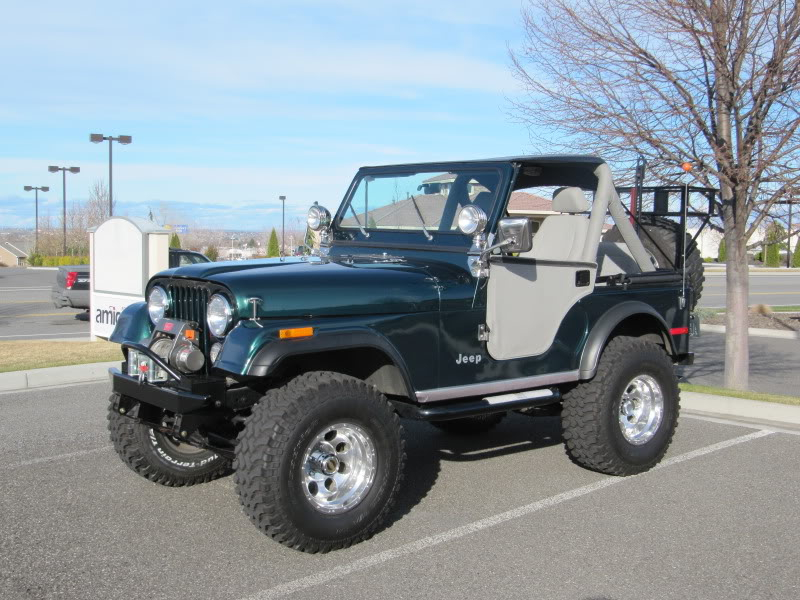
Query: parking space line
pixel 57 457
pixel 361 564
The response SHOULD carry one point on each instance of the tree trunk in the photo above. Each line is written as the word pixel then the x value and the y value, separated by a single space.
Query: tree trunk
pixel 737 353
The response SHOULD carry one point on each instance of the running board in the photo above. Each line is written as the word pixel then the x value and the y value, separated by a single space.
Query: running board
pixel 475 408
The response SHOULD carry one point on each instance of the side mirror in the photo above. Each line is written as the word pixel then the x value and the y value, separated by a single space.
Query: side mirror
pixel 515 234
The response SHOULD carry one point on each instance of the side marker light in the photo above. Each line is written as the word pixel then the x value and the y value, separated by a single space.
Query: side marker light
pixel 297 332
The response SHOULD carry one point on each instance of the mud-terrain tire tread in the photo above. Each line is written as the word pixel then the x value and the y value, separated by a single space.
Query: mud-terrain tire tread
pixel 665 234
pixel 125 436
pixel 265 439
pixel 470 425
pixel 586 426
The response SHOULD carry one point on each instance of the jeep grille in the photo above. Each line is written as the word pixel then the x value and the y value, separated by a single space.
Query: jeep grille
pixel 188 301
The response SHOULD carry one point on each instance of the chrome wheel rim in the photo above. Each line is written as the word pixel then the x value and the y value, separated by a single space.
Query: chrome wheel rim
pixel 641 410
pixel 338 468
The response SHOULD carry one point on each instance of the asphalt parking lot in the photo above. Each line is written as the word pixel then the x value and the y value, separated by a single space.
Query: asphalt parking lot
pixel 504 515
pixel 27 312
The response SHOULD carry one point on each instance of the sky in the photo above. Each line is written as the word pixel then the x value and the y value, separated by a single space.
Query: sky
pixel 233 104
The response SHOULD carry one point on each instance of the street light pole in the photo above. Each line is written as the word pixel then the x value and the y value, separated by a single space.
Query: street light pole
pixel 97 138
pixel 792 200
pixel 283 222
pixel 64 170
pixel 43 188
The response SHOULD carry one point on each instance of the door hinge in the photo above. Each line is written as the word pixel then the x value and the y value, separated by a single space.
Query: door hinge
pixel 483 333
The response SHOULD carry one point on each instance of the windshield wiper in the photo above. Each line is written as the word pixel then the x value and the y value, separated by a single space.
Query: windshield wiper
pixel 355 216
pixel 421 220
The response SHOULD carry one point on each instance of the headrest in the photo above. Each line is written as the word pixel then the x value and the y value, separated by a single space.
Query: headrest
pixel 569 200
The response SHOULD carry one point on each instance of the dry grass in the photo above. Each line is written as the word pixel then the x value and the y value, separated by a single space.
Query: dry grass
pixel 22 355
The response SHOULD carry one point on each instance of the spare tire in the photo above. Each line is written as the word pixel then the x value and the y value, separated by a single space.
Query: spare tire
pixel 660 238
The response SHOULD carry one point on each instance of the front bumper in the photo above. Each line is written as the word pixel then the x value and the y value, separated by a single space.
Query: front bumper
pixel 162 396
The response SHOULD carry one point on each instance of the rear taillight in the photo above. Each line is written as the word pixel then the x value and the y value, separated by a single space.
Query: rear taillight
pixel 72 276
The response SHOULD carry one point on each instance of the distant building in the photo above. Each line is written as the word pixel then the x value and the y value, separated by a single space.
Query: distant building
pixel 12 255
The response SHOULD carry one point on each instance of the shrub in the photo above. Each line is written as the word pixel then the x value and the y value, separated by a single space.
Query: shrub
pixel 722 254
pixel 212 253
pixel 796 255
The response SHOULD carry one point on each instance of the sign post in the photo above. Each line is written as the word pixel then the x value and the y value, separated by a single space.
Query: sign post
pixel 124 253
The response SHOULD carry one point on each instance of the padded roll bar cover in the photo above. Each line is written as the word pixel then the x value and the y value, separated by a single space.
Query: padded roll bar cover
pixel 607 199
pixel 598 336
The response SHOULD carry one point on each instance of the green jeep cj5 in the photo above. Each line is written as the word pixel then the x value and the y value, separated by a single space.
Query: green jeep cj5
pixel 447 292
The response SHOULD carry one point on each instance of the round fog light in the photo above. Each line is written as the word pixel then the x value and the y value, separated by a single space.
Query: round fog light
pixel 471 219
pixel 214 352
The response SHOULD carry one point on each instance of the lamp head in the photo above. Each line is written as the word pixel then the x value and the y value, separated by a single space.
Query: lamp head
pixel 52 169
pixel 45 188
pixel 96 138
pixel 28 188
pixel 124 139
pixel 74 169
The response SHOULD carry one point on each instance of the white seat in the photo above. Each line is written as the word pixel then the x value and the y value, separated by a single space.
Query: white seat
pixel 562 237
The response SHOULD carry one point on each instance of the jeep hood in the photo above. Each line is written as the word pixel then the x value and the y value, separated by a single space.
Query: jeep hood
pixel 295 287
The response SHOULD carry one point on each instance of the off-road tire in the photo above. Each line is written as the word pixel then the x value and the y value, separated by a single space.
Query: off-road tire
pixel 153 456
pixel 591 410
pixel 660 237
pixel 470 425
pixel 270 463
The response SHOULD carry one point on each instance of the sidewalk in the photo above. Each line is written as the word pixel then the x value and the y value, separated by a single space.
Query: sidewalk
pixel 751 411
pixel 14 381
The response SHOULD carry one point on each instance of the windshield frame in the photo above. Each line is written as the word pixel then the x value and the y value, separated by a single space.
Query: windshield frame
pixel 353 235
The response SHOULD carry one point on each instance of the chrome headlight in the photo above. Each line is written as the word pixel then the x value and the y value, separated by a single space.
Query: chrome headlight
pixel 318 218
pixel 471 219
pixel 157 303
pixel 219 316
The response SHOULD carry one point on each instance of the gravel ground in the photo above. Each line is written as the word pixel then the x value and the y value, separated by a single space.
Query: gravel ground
pixel 783 321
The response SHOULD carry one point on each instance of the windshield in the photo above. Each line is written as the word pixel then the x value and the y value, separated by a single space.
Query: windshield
pixel 424 202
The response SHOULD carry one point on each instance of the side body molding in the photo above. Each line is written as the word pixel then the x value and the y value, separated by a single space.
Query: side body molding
pixel 601 331
pixel 269 357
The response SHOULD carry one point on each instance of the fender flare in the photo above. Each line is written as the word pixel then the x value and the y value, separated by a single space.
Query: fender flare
pixel 270 356
pixel 599 334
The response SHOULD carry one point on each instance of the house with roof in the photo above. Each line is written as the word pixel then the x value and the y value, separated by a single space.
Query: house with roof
pixel 11 255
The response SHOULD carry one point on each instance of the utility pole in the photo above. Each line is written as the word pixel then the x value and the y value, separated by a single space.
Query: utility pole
pixel 283 222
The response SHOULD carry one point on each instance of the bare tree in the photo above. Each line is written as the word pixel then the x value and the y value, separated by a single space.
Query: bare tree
pixel 96 206
pixel 714 82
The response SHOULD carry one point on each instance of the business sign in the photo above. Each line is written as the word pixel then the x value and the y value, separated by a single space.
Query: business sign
pixel 125 253
pixel 105 311
pixel 180 228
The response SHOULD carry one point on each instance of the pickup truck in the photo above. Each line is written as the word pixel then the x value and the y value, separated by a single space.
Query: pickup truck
pixel 432 296
pixel 72 287
pixel 72 282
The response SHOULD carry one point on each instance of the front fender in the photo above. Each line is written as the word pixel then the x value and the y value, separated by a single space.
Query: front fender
pixel 258 352
pixel 133 324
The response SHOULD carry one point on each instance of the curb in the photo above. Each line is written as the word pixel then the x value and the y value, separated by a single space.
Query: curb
pixel 14 381
pixel 752 411
pixel 755 332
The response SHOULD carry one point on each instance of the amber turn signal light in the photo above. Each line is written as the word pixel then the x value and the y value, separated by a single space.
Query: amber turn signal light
pixel 297 332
